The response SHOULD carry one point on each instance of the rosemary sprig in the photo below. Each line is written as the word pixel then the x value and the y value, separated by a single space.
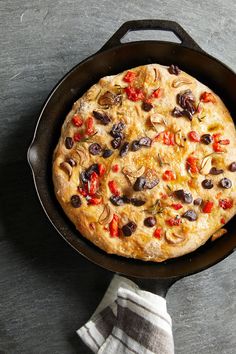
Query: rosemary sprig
pixel 98 94
pixel 200 119
pixel 161 162
pixel 88 138
pixel 156 208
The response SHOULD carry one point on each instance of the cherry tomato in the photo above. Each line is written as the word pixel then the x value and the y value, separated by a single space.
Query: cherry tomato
pixel 207 97
pixel 134 94
pixel 130 76
pixel 157 233
pixel 217 148
pixel 93 184
pixel 173 221
pixel 95 200
pixel 224 142
pixel 216 137
pixel 168 176
pixel 177 206
pixel 157 93
pixel 168 138
pixel 101 170
pixel 115 168
pixel 191 164
pixel 194 136
pixel 113 226
pixel 77 120
pixel 77 137
pixel 82 192
pixel 89 123
pixel 226 203
pixel 207 207
pixel 113 187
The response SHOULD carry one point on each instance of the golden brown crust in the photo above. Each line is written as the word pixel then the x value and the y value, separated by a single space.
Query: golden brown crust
pixel 93 220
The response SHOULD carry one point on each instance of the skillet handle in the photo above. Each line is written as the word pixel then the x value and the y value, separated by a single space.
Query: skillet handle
pixel 156 286
pixel 161 25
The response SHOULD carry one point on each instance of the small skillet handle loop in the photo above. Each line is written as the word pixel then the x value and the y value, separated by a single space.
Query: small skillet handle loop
pixel 161 25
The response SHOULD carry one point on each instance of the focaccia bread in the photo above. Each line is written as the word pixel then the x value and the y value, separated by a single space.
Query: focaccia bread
pixel 146 164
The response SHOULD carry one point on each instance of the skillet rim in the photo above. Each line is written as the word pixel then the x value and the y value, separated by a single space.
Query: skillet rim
pixel 31 156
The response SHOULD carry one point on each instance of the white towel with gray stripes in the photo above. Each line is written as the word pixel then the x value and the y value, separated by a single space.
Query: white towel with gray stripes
pixel 129 320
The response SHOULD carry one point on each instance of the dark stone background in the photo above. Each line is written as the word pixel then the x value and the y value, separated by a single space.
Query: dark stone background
pixel 47 291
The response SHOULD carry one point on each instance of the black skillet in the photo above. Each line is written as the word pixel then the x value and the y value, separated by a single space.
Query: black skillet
pixel 112 58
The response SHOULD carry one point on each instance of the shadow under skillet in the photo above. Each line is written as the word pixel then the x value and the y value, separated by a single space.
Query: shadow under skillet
pixel 47 289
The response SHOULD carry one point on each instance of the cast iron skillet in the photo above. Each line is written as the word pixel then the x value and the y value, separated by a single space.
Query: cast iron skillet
pixel 113 58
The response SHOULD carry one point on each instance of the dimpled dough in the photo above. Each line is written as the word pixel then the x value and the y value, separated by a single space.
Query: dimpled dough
pixel 143 102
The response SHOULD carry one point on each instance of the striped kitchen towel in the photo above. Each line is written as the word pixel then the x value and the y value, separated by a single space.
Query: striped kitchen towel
pixel 129 320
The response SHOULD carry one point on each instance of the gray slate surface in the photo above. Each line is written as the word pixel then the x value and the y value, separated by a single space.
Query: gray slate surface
pixel 47 291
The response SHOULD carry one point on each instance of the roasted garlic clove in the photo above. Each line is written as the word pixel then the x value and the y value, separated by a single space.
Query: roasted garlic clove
pixel 174 238
pixel 133 173
pixel 206 165
pixel 106 215
pixel 67 168
pixel 83 154
pixel 180 81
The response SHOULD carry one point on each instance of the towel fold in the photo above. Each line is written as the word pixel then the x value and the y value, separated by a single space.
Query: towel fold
pixel 129 320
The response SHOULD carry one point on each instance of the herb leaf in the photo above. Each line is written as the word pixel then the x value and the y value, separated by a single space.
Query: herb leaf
pixel 85 139
pixel 156 208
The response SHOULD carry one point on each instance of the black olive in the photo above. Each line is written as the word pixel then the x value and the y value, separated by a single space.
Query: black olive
pixel 129 228
pixel 197 201
pixel 83 177
pixel 71 162
pixel 75 201
pixel 135 145
pixel 191 215
pixel 207 184
pixel 232 166
pixel 177 112
pixel 102 117
pixel 174 70
pixel 139 184
pixel 124 149
pixel 206 139
pixel 151 184
pixel 146 106
pixel 69 142
pixel 186 99
pixel 225 183
pixel 184 196
pixel 179 194
pixel 115 143
pixel 187 197
pixel 116 130
pixel 107 153
pixel 190 108
pixel 137 202
pixel 187 114
pixel 215 171
pixel 150 221
pixel 116 200
pixel 126 199
pixel 145 141
pixel 95 149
